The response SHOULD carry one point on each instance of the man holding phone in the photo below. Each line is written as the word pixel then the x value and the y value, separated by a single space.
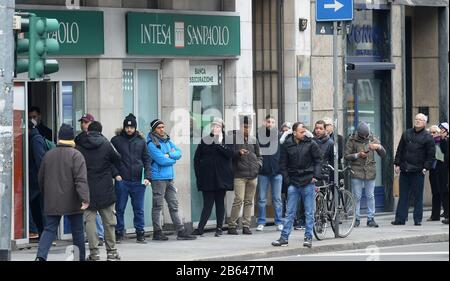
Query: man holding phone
pixel 360 153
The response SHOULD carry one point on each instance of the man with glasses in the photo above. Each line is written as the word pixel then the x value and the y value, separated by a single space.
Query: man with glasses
pixel 415 155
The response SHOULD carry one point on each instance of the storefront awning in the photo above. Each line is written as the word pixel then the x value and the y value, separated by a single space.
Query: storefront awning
pixel 427 3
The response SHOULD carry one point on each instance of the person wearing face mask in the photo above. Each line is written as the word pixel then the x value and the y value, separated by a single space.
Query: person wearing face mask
pixel 360 153
pixel 213 164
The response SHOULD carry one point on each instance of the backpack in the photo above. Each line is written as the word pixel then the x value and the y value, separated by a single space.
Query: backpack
pixel 49 144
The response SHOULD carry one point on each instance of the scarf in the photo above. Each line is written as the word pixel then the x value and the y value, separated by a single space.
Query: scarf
pixel 155 138
pixel 70 143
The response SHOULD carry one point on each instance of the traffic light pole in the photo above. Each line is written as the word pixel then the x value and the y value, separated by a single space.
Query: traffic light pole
pixel 335 129
pixel 6 122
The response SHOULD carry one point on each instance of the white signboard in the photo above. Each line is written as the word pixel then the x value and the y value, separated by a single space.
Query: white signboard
pixel 304 113
pixel 203 75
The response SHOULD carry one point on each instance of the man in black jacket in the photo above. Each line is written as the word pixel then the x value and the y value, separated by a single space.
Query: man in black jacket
pixel 268 139
pixel 415 155
pixel 133 175
pixel 100 156
pixel 300 165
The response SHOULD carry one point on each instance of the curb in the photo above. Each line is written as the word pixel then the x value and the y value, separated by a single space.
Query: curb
pixel 299 250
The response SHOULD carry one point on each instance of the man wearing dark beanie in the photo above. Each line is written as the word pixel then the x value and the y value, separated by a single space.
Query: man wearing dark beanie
pixel 164 154
pixel 132 176
pixel 63 182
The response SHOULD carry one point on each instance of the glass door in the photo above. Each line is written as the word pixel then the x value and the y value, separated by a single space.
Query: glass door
pixel 207 102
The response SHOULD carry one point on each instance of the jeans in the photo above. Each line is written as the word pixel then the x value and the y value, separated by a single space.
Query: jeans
pixel 357 187
pixel 164 189
pixel 99 226
pixel 136 190
pixel 263 186
pixel 410 182
pixel 49 235
pixel 307 193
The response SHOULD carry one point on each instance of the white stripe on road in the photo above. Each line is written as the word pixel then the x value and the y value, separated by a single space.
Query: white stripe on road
pixel 377 254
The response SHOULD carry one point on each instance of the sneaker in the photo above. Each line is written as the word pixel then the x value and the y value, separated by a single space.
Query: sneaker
pixel 113 257
pixel 372 223
pixel 197 232
pixel 260 227
pixel 93 257
pixel 357 223
pixel 442 215
pixel 232 231
pixel 397 223
pixel 307 242
pixel 445 221
pixel 33 235
pixel 280 227
pixel 219 232
pixel 183 235
pixel 417 223
pixel 159 235
pixel 246 230
pixel 280 243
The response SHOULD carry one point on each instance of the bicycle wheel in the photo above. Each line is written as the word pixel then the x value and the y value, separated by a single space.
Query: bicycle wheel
pixel 347 213
pixel 321 219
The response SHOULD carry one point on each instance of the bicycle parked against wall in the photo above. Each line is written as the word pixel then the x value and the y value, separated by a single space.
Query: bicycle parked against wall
pixel 326 210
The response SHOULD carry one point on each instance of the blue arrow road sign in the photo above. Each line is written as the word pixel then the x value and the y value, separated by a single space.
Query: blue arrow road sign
pixel 334 10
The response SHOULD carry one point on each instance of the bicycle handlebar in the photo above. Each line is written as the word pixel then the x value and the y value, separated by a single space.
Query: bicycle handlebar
pixel 348 168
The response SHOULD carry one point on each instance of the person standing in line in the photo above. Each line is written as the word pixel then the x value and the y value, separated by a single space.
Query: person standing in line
pixel 100 156
pixel 213 164
pixel 63 183
pixel 247 162
pixel 132 176
pixel 415 154
pixel 360 152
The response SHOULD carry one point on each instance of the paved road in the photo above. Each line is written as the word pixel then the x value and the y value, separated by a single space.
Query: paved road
pixel 414 252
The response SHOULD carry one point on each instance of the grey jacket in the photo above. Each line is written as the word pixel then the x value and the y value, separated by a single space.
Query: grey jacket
pixel 246 166
pixel 364 168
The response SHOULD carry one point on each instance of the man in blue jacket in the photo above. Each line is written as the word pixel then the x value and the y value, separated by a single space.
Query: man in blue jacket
pixel 164 154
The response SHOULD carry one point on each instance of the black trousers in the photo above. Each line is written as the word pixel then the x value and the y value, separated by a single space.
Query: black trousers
pixel 37 213
pixel 439 191
pixel 209 198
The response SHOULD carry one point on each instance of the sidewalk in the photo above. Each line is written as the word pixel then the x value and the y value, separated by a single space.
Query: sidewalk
pixel 257 246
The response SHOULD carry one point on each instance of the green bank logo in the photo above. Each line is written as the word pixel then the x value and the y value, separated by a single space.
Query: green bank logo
pixel 179 34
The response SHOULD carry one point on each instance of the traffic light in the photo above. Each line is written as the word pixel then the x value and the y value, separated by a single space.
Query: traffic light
pixel 40 45
pixel 22 45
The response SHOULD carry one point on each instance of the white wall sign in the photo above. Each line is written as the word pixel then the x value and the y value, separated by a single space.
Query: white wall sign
pixel 203 75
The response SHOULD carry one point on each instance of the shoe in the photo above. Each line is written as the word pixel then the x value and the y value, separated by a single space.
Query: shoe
pixel 246 230
pixel 219 232
pixel 433 219
pixel 260 227
pixel 197 232
pixel 140 237
pixel 442 215
pixel 33 235
pixel 307 242
pixel 372 223
pixel 280 242
pixel 445 221
pixel 101 242
pixel 39 259
pixel 280 227
pixel 93 258
pixel 232 231
pixel 357 223
pixel 183 235
pixel 418 223
pixel 119 238
pixel 113 257
pixel 159 235
pixel 397 223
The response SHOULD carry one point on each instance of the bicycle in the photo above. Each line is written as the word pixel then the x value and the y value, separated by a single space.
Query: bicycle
pixel 326 211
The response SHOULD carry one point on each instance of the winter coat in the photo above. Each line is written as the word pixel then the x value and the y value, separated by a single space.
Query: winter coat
pixel 36 152
pixel 249 165
pixel 269 144
pixel 63 181
pixel 300 162
pixel 134 156
pixel 363 168
pixel 100 157
pixel 326 146
pixel 213 164
pixel 162 167
pixel 416 151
